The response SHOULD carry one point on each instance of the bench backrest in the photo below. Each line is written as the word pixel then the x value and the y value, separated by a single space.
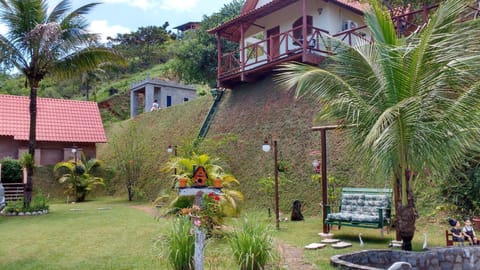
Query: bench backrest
pixel 365 201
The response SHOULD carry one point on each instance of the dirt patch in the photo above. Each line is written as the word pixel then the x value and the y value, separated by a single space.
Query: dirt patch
pixel 147 209
pixel 292 258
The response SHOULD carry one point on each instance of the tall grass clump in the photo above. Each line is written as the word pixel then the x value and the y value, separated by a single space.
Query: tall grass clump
pixel 252 246
pixel 181 244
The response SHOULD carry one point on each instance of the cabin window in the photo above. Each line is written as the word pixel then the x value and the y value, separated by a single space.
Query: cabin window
pixel 185 99
pixel 297 27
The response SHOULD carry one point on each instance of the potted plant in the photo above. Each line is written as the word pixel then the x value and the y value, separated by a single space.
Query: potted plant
pixel 182 182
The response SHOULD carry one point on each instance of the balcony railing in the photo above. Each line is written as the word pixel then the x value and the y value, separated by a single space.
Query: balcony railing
pixel 274 49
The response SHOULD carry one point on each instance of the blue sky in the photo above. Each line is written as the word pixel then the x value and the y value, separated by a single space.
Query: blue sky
pixel 123 16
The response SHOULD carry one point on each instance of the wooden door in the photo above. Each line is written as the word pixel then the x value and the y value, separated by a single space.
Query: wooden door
pixel 273 42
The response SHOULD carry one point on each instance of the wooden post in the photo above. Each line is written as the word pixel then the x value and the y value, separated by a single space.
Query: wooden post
pixel 198 257
pixel 199 237
pixel 323 143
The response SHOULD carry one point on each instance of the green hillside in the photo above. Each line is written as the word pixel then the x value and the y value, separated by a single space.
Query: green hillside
pixel 244 119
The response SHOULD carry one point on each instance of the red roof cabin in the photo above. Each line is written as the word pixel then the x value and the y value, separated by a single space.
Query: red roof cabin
pixel 271 32
pixel 61 126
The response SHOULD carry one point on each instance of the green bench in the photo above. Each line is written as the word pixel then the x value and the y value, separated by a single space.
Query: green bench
pixel 362 207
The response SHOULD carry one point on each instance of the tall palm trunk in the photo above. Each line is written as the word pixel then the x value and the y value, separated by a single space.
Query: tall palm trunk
pixel 405 214
pixel 32 142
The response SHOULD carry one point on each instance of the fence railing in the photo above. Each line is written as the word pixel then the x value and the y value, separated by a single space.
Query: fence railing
pixel 13 191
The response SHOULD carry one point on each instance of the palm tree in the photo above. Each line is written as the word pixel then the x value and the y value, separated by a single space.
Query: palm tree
pixel 79 176
pixel 411 104
pixel 42 42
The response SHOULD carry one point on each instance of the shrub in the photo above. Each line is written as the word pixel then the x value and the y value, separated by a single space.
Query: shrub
pixel 39 203
pixel 252 246
pixel 181 244
pixel 463 187
pixel 11 170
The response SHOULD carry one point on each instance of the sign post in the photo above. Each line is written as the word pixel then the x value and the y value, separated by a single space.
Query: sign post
pixel 198 190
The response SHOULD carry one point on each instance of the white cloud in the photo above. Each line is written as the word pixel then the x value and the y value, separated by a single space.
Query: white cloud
pixel 101 27
pixel 184 5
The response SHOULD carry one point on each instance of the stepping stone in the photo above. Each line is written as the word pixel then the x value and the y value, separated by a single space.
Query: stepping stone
pixel 341 245
pixel 326 235
pixel 315 246
pixel 330 241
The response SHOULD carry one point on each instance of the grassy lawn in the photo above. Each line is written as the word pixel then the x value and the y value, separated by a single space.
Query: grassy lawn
pixel 109 234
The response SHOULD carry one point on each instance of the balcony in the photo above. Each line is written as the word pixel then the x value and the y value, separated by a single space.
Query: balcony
pixel 263 56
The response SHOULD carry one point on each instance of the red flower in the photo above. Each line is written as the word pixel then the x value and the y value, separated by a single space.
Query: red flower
pixel 211 194
pixel 217 198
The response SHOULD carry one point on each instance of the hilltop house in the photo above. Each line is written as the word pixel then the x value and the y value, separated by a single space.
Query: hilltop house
pixel 182 29
pixel 62 125
pixel 271 32
pixel 144 93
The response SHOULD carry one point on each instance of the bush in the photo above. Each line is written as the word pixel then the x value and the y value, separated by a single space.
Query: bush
pixel 252 246
pixel 463 187
pixel 11 170
pixel 39 203
pixel 181 244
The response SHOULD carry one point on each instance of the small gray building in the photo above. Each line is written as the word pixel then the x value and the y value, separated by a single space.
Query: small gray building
pixel 166 93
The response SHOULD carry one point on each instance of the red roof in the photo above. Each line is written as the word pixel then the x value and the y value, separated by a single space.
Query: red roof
pixel 58 120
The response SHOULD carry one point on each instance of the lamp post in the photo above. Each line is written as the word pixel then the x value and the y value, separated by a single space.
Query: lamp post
pixel 173 149
pixel 74 152
pixel 266 148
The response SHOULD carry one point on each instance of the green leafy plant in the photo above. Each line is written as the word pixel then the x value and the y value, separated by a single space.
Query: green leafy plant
pixel 78 177
pixel 129 157
pixel 463 186
pixel 11 170
pixel 283 166
pixel 39 203
pixel 184 166
pixel 252 246
pixel 181 244
pixel 267 185
pixel 208 216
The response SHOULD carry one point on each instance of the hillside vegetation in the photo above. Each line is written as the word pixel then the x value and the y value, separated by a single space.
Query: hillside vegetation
pixel 245 118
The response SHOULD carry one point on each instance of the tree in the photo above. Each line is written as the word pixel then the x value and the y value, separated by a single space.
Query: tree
pixel 40 42
pixel 195 58
pixel 410 104
pixel 146 45
pixel 79 176
pixel 129 149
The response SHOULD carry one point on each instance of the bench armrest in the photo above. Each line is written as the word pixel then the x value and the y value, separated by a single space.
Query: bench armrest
pixel 328 209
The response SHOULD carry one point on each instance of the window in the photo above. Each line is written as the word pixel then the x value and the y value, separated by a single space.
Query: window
pixel 169 101
pixel 297 29
pixel 185 99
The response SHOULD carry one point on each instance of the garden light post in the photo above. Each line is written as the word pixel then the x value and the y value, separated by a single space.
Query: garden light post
pixel 74 152
pixel 173 149
pixel 266 148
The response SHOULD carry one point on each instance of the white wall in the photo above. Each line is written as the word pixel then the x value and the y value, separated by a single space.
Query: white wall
pixel 330 19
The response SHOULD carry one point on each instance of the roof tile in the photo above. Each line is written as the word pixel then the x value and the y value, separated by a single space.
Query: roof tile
pixel 57 119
